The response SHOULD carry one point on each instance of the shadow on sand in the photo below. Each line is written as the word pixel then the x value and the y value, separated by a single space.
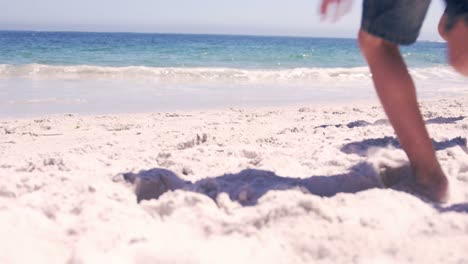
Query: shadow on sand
pixel 458 208
pixel 445 120
pixel 362 123
pixel 247 186
pixel 361 148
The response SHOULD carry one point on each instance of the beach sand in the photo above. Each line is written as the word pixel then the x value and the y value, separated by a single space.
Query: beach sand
pixel 305 184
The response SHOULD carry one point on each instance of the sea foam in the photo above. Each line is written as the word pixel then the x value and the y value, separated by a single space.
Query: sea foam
pixel 172 74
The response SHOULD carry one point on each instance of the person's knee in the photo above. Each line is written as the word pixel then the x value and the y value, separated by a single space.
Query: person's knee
pixel 441 27
pixel 459 61
pixel 457 51
pixel 369 43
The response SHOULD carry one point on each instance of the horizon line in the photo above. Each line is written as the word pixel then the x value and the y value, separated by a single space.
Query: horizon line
pixel 188 33
pixel 174 33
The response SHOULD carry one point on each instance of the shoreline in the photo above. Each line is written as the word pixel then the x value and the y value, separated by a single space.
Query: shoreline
pixel 194 110
pixel 374 102
pixel 193 89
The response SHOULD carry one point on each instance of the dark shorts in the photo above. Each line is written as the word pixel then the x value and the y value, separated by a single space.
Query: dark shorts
pixel 456 9
pixel 399 21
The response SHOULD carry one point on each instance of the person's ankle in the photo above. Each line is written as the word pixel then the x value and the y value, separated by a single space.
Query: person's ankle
pixel 433 184
pixel 429 173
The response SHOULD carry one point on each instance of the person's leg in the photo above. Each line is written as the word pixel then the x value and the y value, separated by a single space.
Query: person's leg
pixel 387 23
pixel 397 93
pixel 453 27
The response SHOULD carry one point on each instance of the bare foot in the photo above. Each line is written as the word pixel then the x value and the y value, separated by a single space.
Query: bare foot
pixel 433 186
pixel 393 176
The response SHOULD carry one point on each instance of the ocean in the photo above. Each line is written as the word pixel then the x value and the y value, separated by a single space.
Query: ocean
pixel 70 72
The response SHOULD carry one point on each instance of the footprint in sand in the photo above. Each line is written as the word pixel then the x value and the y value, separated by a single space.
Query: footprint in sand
pixel 153 183
pixel 394 176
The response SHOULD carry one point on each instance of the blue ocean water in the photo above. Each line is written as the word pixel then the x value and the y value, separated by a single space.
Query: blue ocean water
pixel 172 50
pixel 58 72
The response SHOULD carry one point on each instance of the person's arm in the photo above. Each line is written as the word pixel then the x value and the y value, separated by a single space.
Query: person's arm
pixel 340 8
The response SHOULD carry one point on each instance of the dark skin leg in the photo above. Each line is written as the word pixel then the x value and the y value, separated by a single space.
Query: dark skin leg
pixel 397 94
pixel 457 39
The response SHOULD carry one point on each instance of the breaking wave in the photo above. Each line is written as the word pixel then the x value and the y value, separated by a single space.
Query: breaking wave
pixel 207 74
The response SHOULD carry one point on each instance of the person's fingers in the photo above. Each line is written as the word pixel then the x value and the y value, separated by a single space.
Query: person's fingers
pixel 339 10
pixel 335 9
pixel 324 6
pixel 342 8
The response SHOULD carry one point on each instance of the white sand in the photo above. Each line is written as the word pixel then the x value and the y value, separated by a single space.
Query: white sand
pixel 63 197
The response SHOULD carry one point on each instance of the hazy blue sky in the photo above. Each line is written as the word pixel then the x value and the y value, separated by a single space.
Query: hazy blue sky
pixel 262 17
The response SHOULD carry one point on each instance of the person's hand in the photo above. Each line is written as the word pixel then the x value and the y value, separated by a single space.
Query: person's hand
pixel 340 7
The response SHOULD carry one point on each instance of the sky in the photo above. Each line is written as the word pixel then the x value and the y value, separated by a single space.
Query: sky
pixel 246 17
